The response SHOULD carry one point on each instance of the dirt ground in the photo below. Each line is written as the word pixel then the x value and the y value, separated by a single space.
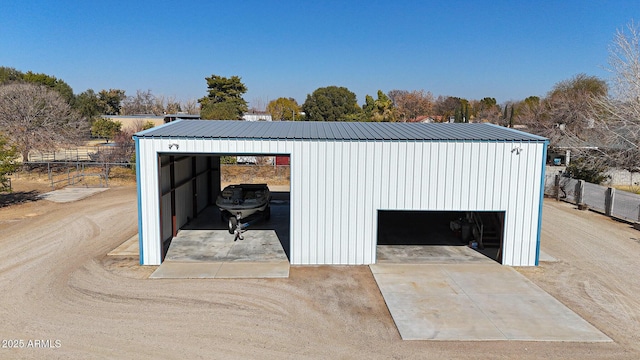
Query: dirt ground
pixel 58 286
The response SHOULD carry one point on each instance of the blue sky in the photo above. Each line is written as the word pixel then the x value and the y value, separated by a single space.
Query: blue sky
pixel 472 49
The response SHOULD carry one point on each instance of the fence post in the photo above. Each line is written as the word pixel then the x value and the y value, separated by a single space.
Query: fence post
pixel 579 192
pixel 556 187
pixel 608 201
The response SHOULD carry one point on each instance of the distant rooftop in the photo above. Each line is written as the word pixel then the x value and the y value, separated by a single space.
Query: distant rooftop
pixel 315 130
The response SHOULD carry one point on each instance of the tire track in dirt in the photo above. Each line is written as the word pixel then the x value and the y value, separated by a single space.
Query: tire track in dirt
pixel 57 282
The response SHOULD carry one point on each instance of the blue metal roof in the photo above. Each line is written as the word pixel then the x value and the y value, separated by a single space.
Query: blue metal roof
pixel 314 130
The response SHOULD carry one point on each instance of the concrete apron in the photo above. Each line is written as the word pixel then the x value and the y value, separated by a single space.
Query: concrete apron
pixel 209 254
pixel 70 194
pixel 475 302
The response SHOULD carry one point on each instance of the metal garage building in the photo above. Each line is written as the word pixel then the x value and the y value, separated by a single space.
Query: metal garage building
pixel 343 175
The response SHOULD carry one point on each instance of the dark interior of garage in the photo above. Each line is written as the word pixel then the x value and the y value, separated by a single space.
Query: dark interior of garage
pixel 481 230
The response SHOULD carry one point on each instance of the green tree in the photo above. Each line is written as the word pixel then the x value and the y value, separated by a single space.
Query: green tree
pixel 147 125
pixel 485 110
pixel 532 101
pixel 331 103
pixel 224 99
pixel 8 165
pixel 448 107
pixel 228 110
pixel 380 109
pixel 284 109
pixel 87 104
pixel 51 82
pixel 105 128
pixel 467 115
pixel 585 168
pixel 488 102
pixel 110 101
pixel 8 74
pixel 461 110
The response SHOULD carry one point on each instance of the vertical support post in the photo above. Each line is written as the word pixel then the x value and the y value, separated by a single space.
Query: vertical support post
pixel 194 186
pixel 210 199
pixel 49 170
pixel 556 187
pixel 579 192
pixel 608 201
pixel 172 179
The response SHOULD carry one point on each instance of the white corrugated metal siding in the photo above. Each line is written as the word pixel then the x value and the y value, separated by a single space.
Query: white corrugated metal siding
pixel 337 187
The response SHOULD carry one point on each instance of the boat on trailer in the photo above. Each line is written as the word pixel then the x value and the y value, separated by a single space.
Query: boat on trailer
pixel 242 204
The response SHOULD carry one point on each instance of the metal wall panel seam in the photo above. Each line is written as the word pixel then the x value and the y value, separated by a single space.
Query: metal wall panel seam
pixel 519 197
pixel 321 193
pixel 369 231
pixel 316 240
pixel 529 185
pixel 346 186
pixel 338 158
pixel 361 194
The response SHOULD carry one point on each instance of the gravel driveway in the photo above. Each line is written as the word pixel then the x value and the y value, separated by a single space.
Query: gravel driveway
pixel 58 286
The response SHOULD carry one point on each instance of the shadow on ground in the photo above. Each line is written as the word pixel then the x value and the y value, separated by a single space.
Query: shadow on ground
pixel 18 197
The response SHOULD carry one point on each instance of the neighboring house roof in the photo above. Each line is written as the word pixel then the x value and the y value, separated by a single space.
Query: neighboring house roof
pixel 257 116
pixel 173 117
pixel 138 116
pixel 315 130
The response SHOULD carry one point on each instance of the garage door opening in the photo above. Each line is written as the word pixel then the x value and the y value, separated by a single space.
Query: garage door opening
pixel 192 226
pixel 424 236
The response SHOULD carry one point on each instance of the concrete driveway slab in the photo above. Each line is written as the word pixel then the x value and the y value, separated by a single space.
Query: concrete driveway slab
pixel 70 194
pixel 489 279
pixel 473 302
pixel 214 254
pixel 128 248
pixel 388 254
pixel 442 318
pixel 399 282
pixel 186 270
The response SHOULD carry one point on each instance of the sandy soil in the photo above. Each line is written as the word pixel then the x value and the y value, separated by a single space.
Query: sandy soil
pixel 57 284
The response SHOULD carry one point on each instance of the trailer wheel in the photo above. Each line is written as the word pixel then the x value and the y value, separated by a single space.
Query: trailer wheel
pixel 233 224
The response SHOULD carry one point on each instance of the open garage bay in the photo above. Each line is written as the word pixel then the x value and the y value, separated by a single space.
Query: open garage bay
pixel 205 249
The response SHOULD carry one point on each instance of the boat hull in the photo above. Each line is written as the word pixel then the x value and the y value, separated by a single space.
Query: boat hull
pixel 243 200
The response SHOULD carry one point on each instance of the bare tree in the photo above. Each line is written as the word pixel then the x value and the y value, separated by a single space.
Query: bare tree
pixel 35 117
pixel 565 115
pixel 258 104
pixel 620 112
pixel 411 104
pixel 487 110
pixel 141 103
pixel 191 107
pixel 172 105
